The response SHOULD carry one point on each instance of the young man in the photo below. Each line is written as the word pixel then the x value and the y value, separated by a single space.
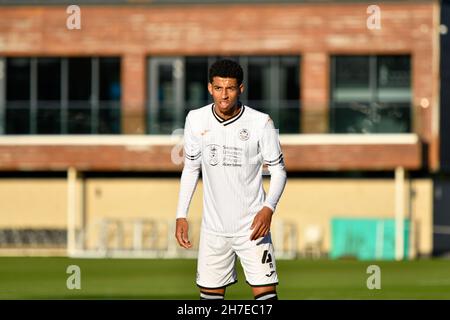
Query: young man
pixel 229 142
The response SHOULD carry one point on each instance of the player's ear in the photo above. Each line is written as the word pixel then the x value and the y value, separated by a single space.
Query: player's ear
pixel 210 88
pixel 241 88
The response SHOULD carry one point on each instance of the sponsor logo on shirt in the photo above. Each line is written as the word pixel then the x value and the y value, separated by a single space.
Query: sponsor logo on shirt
pixel 213 154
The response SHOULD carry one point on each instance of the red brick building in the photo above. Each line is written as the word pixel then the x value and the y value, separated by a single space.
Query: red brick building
pixel 105 97
pixel 315 33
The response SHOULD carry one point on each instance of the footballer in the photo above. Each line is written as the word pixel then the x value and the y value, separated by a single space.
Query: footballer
pixel 229 142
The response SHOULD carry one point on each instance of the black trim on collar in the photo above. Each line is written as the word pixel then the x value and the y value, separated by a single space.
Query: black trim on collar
pixel 235 118
pixel 218 118
pixel 228 121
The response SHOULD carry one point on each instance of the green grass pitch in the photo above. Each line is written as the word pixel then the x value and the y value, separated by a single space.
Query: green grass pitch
pixel 45 278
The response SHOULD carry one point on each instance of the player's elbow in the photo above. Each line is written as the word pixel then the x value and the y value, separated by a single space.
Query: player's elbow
pixel 278 171
pixel 192 166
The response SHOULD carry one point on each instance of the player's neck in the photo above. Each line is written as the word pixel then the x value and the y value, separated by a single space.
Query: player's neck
pixel 233 111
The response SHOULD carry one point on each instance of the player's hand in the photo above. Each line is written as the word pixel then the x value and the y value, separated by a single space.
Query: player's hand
pixel 261 223
pixel 181 233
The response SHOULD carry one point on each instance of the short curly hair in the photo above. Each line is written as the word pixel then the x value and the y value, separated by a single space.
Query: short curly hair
pixel 226 68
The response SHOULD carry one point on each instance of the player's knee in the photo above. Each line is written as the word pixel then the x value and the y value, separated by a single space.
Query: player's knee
pixel 213 294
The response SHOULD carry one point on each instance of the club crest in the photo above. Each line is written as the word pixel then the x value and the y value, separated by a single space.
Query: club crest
pixel 244 134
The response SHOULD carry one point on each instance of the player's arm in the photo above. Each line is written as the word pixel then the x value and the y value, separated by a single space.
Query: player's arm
pixel 273 158
pixel 188 182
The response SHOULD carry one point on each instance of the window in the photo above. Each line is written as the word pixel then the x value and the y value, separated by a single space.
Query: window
pixel 179 84
pixel 79 106
pixel 273 86
pixel 18 94
pixel 109 93
pixel 196 81
pixel 370 94
pixel 48 109
pixel 60 95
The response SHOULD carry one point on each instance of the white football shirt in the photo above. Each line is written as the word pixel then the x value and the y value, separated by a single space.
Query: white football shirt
pixel 230 154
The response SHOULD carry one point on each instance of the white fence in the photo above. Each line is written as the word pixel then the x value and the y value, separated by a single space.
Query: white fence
pixel 152 238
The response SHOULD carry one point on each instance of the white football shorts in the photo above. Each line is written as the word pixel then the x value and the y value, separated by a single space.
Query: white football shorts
pixel 217 258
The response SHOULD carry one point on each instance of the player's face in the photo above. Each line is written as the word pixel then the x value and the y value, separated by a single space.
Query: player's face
pixel 225 93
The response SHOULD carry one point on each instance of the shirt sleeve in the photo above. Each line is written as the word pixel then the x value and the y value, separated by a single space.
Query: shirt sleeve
pixel 191 169
pixel 273 158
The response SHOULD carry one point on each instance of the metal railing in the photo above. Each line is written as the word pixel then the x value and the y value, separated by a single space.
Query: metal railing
pixel 155 238
pixel 33 238
pixel 55 117
pixel 169 117
pixel 106 117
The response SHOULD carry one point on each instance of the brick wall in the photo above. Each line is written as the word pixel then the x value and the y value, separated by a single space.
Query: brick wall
pixel 313 31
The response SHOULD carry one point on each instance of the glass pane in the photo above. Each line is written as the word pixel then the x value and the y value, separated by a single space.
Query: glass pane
pixel 289 117
pixel 79 87
pixel 166 98
pixel 259 80
pixel 49 78
pixel 371 118
pixel 109 117
pixel 17 117
pixel 110 79
pixel 387 110
pixel 394 71
pixel 289 109
pixel 49 95
pixel 80 77
pixel 79 115
pixel 233 58
pixel 196 82
pixel 352 71
pixel 110 93
pixel 279 97
pixel 49 117
pixel 17 113
pixel 351 79
pixel 290 78
pixel 17 79
pixel 394 78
